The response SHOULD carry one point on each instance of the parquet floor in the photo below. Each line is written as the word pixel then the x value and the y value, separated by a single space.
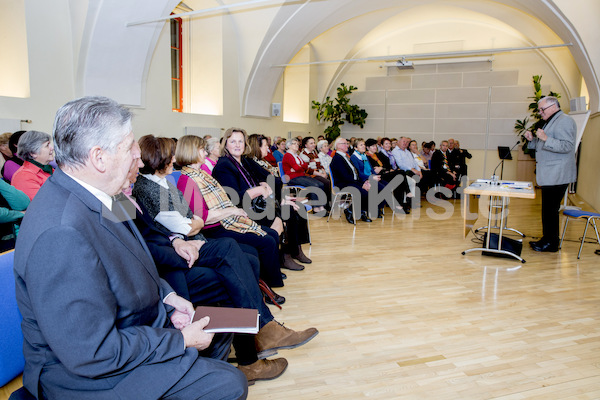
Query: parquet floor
pixel 403 315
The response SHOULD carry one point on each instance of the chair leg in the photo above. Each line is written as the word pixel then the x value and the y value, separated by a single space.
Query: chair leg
pixel 596 229
pixel 332 206
pixel 587 222
pixel 564 231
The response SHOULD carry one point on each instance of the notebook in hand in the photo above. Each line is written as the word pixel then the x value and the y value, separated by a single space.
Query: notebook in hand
pixel 224 319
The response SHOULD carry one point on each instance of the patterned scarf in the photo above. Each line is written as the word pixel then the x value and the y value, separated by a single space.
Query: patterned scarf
pixel 216 198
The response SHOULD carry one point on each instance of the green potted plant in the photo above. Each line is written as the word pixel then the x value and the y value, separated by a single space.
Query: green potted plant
pixel 534 121
pixel 338 111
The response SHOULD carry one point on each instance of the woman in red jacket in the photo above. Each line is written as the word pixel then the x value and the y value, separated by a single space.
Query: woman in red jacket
pixel 295 169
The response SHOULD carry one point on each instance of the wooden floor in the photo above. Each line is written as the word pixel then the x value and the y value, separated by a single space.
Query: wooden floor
pixel 403 315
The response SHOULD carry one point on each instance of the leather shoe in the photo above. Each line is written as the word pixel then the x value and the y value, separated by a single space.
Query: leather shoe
pixel 365 217
pixel 535 243
pixel 263 370
pixel 546 247
pixel 302 257
pixel 289 263
pixel 275 336
pixel 349 216
pixel 278 299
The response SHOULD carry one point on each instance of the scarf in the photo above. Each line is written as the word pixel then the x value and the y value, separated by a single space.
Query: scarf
pixel 44 167
pixel 216 198
pixel 368 170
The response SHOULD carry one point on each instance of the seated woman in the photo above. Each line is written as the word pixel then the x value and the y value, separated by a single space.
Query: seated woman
pixel 212 148
pixel 221 218
pixel 13 163
pixel 324 154
pixel 365 171
pixel 249 180
pixel 13 203
pixel 427 180
pixel 380 164
pixel 280 150
pixel 299 173
pixel 258 149
pixel 37 150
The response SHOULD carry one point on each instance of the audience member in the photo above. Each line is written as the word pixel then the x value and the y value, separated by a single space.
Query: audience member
pixel 13 204
pixel 344 174
pixel 98 321
pixel 461 165
pixel 240 173
pixel 426 153
pixel 212 148
pixel 442 168
pixel 280 150
pixel 37 150
pixel 299 173
pixel 219 273
pixel 324 157
pixel 258 149
pixel 385 154
pixel 14 163
pixel 426 175
pixel 387 175
pixel 406 162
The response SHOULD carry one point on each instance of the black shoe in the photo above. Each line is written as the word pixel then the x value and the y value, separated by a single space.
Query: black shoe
pixel 283 276
pixel 535 243
pixel 278 299
pixel 546 247
pixel 365 217
pixel 380 213
pixel 349 216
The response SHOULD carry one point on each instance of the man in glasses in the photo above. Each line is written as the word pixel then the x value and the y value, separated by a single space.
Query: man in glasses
pixel 554 146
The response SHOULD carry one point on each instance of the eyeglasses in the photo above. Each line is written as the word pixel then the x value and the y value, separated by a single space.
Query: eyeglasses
pixel 545 108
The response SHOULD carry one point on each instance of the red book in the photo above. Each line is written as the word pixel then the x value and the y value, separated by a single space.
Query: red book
pixel 225 319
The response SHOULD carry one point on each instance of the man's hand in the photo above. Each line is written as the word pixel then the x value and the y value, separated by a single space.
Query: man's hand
pixel 187 250
pixel 541 135
pixel 528 135
pixel 366 185
pixel 184 311
pixel 194 335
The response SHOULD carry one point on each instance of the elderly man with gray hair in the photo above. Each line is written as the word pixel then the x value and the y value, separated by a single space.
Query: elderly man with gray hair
pixel 37 150
pixel 98 322
pixel 554 146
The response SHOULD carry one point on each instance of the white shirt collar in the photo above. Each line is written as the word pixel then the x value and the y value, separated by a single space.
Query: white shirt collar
pixel 99 194
pixel 161 181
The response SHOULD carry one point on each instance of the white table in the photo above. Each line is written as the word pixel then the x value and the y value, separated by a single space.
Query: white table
pixel 499 193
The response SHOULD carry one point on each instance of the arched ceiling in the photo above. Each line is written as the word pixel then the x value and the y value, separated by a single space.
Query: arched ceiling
pixel 114 59
pixel 298 24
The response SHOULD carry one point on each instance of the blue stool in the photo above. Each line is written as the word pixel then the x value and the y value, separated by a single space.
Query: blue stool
pixel 589 217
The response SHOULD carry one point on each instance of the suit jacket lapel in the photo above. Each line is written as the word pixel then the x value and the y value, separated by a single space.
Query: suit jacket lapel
pixel 111 222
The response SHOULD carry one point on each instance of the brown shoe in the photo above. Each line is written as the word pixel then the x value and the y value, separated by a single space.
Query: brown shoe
pixel 289 263
pixel 274 336
pixel 264 370
pixel 302 257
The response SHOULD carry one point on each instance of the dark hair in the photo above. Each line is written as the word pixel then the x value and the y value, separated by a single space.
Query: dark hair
pixel 370 142
pixel 14 140
pixel 157 153
pixel 305 140
pixel 254 143
pixel 383 139
pixel 427 145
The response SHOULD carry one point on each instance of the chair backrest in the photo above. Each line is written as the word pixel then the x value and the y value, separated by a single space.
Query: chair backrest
pixel 331 180
pixel 12 361
pixel 281 172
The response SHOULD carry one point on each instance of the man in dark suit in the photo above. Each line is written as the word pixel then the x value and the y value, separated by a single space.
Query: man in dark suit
pixel 554 146
pixel 442 167
pixel 98 322
pixel 345 175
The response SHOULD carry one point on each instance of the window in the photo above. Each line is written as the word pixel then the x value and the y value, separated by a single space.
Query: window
pixel 176 66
